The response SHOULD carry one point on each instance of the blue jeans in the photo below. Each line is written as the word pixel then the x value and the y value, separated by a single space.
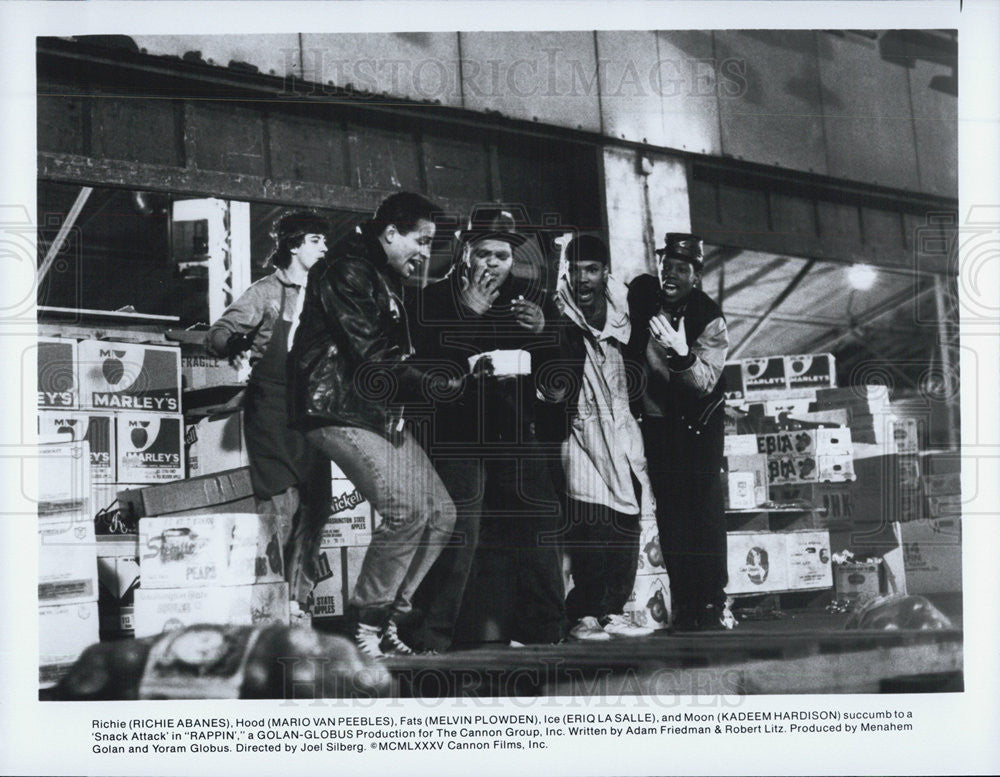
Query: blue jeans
pixel 418 516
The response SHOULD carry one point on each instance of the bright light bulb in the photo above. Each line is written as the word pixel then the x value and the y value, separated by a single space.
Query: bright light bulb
pixel 861 276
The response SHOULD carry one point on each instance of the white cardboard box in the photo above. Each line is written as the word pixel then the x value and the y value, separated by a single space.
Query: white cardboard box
pixel 808 558
pixel 98 429
pixel 209 549
pixel 166 609
pixel 739 445
pixel 129 376
pixel 742 490
pixel 756 563
pixel 67 559
pixel 649 603
pixel 64 481
pixel 150 447
pixel 350 519
pixel 64 632
pixel 215 444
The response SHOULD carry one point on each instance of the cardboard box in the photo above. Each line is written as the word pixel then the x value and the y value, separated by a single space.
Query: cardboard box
pixel 350 519
pixel 98 429
pixel 58 381
pixel 215 549
pixel 765 375
pixel 129 376
pixel 200 369
pixel 215 444
pixel 808 560
pixel 835 469
pixel 906 435
pixel 932 555
pixel 118 579
pixel 857 581
pixel 150 447
pixel 167 609
pixel 650 553
pixel 791 469
pixel 649 602
pixel 739 445
pixel 806 442
pixel 811 371
pixel 944 506
pixel 64 632
pixel 756 562
pixel 67 559
pixel 756 464
pixel 64 481
pixel 741 491
pixel 223 492
pixel 339 569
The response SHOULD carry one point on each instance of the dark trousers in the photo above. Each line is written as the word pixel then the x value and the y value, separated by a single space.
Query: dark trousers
pixel 500 575
pixel 603 546
pixel 684 471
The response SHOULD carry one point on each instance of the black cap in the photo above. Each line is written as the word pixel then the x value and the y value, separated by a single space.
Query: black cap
pixel 495 222
pixel 680 245
pixel 587 248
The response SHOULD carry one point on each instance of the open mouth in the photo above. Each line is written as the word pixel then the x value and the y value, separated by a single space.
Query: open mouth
pixel 670 288
pixel 585 295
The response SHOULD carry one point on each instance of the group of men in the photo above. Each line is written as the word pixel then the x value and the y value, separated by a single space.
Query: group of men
pixel 492 422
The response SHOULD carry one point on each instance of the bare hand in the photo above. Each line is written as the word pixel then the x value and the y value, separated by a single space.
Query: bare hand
pixel 529 315
pixel 665 335
pixel 479 288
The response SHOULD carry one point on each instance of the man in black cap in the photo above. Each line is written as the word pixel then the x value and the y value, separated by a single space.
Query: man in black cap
pixel 679 336
pixel 485 322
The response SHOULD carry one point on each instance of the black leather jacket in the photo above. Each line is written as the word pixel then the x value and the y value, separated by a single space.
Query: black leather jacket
pixel 349 364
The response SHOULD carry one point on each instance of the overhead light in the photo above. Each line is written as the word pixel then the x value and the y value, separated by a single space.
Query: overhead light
pixel 861 276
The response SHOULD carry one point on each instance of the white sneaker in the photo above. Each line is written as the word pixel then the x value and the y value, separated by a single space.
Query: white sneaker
pixel 620 626
pixel 392 645
pixel 589 630
pixel 367 639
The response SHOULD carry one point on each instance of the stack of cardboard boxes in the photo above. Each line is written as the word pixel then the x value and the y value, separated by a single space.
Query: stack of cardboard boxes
pixel 209 568
pixel 67 564
pixel 124 399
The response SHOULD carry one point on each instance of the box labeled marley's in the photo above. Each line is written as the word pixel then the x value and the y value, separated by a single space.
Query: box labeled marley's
pixel 150 447
pixel 98 429
pixel 58 386
pixel 129 376
pixel 816 370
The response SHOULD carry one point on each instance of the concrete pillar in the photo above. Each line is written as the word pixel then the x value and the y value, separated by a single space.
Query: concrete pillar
pixel 646 197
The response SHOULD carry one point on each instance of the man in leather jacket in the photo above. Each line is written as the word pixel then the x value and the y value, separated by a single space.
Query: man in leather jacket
pixel 679 337
pixel 350 377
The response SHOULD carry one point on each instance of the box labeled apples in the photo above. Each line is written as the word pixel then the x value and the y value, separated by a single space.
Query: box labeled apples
pixel 166 609
pixel 806 442
pixel 129 376
pixel 209 550
pixel 756 563
pixel 650 553
pixel 808 558
pixel 732 373
pixel 58 384
pixel 64 632
pixel 338 569
pixel 150 447
pixel 649 602
pixel 350 519
pixel 67 559
pixel 98 429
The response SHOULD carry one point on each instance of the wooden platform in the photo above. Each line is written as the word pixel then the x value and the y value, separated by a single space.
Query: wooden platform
pixel 775 660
